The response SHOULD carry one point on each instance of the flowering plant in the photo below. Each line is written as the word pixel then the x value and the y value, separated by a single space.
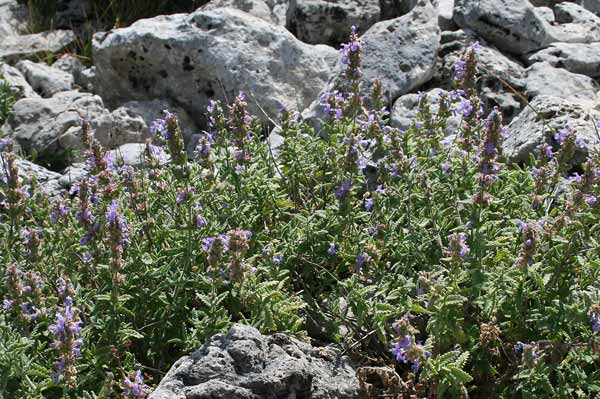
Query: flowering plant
pixel 407 248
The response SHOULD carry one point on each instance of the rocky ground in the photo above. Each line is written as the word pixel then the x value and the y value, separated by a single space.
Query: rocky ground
pixel 539 62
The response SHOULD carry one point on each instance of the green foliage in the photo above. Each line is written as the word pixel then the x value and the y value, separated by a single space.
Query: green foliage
pixel 6 100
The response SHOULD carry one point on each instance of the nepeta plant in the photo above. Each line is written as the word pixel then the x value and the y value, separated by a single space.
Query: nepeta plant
pixel 424 253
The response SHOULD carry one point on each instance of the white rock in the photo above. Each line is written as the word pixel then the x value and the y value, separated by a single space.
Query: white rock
pixel 50 127
pixel 578 58
pixel 329 22
pixel 546 115
pixel 44 79
pixel 543 79
pixel 14 48
pixel 193 58
pixel 17 82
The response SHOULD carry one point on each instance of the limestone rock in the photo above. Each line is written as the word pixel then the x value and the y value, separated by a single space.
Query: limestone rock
pixel 257 8
pixel 17 82
pixel 45 80
pixel 576 24
pixel 15 48
pixel 546 115
pixel 247 365
pixel 329 22
pixel 50 127
pixel 578 58
pixel 511 25
pixel 193 58
pixel 544 79
pixel 400 52
pixel 13 18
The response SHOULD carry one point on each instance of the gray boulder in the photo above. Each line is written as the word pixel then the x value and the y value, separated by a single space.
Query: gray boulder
pixel 151 110
pixel 264 9
pixel 49 127
pixel 511 25
pixel 401 53
pixel 193 58
pixel 70 64
pixel 543 79
pixel 583 59
pixel 17 82
pixel 329 22
pixel 575 24
pixel 14 48
pixel 546 115
pixel 47 181
pixel 44 79
pixel 406 109
pixel 446 14
pixel 247 365
pixel 13 18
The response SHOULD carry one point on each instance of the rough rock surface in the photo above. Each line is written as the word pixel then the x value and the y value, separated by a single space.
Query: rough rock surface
pixel 17 82
pixel 47 181
pixel 538 124
pixel 149 111
pixel 401 52
pixel 264 9
pixel 247 365
pixel 578 58
pixel 206 55
pixel 329 22
pixel 14 48
pixel 511 25
pixel 13 18
pixel 575 24
pixel 406 108
pixel 48 127
pixel 543 79
pixel 71 65
pixel 44 79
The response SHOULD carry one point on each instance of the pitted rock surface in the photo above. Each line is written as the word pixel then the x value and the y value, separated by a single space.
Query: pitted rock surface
pixel 244 364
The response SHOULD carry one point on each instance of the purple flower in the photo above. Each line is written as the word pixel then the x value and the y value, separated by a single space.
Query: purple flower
pixel 595 322
pixel 369 204
pixel 460 69
pixel 86 257
pixel 446 166
pixel 464 107
pixel 200 221
pixel 380 189
pixel 399 353
pixel 111 212
pixel 180 197
pixel 331 250
pixel 591 200
pixel 277 259
pixel 361 258
pixel 207 243
pixel 519 346
pixel 6 304
pixel 135 388
pixel 341 191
